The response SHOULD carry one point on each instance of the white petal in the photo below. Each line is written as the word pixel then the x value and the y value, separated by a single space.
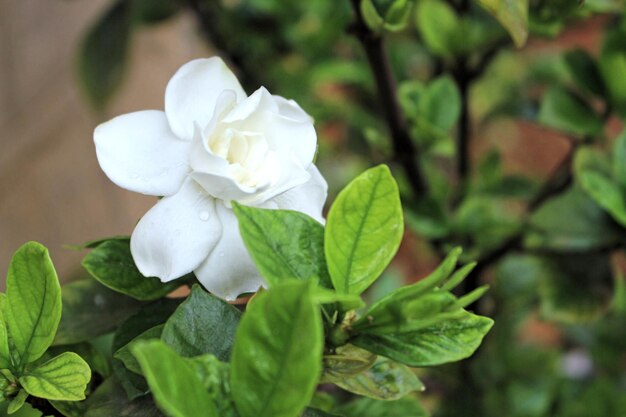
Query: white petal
pixel 177 234
pixel 139 152
pixel 229 270
pixel 291 109
pixel 307 198
pixel 193 91
pixel 222 187
pixel 287 175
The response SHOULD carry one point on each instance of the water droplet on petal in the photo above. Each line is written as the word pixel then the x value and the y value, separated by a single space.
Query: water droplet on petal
pixel 204 215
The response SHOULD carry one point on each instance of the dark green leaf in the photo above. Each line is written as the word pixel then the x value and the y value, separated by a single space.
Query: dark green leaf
pixel 173 381
pixel 63 378
pixel 363 231
pixel 124 353
pixel 112 264
pixel 109 400
pixel 284 244
pixel 33 305
pixel 442 342
pixel 103 53
pixel 149 12
pixel 566 112
pixel 202 324
pixel 619 159
pixel 585 72
pixel 91 310
pixel 278 351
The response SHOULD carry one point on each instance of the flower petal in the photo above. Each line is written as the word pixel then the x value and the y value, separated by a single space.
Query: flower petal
pixel 307 198
pixel 139 152
pixel 229 269
pixel 193 91
pixel 177 234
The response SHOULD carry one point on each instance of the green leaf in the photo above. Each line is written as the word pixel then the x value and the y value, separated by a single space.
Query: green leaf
pixel 64 377
pixel 173 381
pixel 575 289
pixel 25 411
pixel 112 264
pixel 613 66
pixel 571 221
pixel 606 193
pixel 5 357
pixel 33 305
pixel 438 25
pixel 619 159
pixel 109 399
pixel 17 402
pixel 363 231
pixel 215 376
pixel 148 317
pixel 398 15
pixel 103 54
pixel 202 324
pixel 91 310
pixel 406 407
pixel 277 355
pixel 566 112
pixel 149 12
pixel 385 380
pixel 442 103
pixel 284 244
pixel 346 361
pixel 125 355
pixel 443 342
pixel 372 19
pixel 584 71
pixel 512 14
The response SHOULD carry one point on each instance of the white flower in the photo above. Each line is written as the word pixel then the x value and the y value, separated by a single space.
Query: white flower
pixel 212 145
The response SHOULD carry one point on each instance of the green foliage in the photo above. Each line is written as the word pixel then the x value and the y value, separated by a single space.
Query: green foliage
pixel 62 378
pixel 284 244
pixel 438 25
pixel 391 15
pixel 111 263
pixel 512 14
pixel 562 110
pixel 103 55
pixel 363 231
pixel 202 324
pixel 173 381
pixel 277 354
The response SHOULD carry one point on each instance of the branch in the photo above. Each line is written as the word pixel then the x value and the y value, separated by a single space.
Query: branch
pixel 405 152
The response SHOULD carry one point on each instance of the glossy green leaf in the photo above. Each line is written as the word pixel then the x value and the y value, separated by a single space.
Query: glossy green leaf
pixel 284 244
pixel 202 324
pixel 33 305
pixel 346 361
pixel 566 112
pixel 443 342
pixel 608 194
pixel 112 264
pixel 64 377
pixel 585 71
pixel 363 231
pixel 173 382
pixel 512 14
pixel 103 54
pixel 91 310
pixel 17 402
pixel 406 407
pixel 125 355
pixel 385 380
pixel 438 25
pixel 277 355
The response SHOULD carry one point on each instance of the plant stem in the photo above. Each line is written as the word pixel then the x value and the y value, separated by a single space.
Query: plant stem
pixel 405 151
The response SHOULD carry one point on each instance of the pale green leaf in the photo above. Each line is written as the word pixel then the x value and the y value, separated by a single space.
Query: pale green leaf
pixel 608 194
pixel 512 14
pixel 17 402
pixel 64 377
pixel 363 231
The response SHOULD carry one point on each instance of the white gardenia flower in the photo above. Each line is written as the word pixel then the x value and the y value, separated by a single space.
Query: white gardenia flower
pixel 212 145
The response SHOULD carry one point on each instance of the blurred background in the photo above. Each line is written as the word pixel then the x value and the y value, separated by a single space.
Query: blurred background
pixel 529 115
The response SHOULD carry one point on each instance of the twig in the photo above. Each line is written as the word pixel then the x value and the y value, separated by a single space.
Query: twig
pixel 405 152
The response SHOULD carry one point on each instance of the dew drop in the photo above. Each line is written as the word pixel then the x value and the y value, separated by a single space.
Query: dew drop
pixel 204 215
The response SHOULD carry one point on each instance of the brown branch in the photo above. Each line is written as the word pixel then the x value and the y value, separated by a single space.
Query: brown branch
pixel 405 151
